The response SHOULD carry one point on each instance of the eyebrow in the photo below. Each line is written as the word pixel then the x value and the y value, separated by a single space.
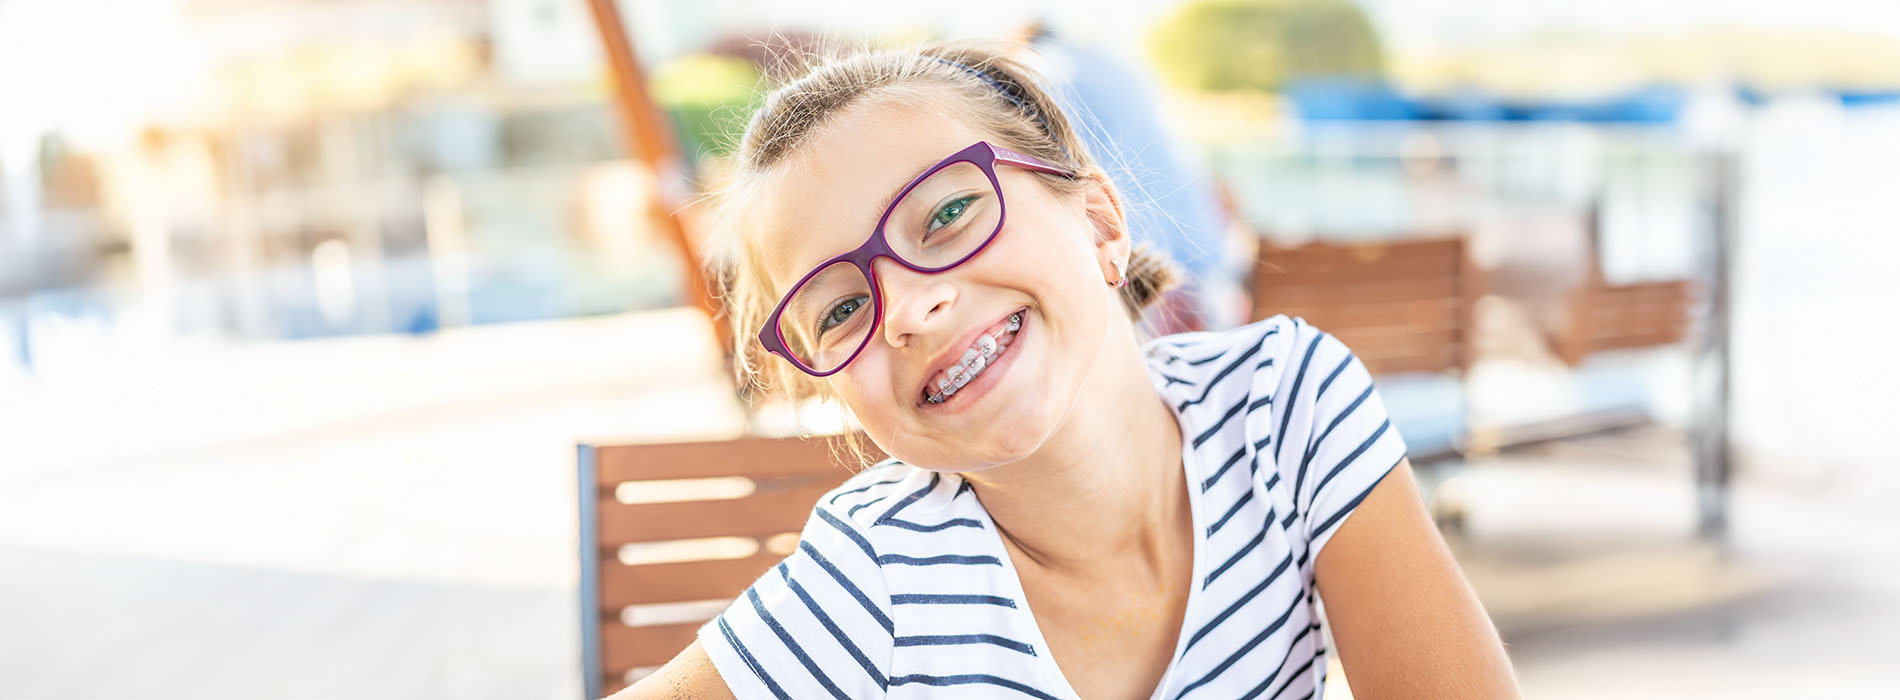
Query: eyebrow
pixel 892 197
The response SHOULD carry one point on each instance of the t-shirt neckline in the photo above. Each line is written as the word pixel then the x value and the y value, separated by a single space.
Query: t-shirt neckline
pixel 1025 619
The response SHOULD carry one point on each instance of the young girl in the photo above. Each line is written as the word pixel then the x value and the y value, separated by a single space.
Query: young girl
pixel 1069 513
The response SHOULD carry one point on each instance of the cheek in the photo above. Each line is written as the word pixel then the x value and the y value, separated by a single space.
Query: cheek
pixel 865 388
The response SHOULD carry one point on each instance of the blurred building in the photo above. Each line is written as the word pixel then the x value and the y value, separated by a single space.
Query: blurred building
pixel 344 167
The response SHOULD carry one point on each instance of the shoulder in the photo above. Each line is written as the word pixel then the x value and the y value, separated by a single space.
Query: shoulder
pixel 864 498
pixel 882 509
pixel 1206 355
pixel 1237 359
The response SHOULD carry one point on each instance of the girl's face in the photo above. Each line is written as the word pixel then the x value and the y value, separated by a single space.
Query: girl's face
pixel 1045 268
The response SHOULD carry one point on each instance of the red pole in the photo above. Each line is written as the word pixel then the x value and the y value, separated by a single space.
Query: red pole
pixel 645 125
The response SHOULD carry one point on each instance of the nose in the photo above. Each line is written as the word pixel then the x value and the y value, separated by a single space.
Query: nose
pixel 914 303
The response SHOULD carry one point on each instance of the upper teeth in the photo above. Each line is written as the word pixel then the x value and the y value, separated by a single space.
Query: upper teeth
pixel 974 360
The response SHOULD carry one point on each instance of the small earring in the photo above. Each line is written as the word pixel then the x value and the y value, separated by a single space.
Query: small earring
pixel 1121 275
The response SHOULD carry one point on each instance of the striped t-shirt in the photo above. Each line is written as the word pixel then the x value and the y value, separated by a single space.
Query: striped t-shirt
pixel 901 586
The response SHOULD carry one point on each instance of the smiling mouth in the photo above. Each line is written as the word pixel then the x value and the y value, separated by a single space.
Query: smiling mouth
pixel 979 356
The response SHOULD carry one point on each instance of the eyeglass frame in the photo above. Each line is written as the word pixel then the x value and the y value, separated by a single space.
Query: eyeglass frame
pixel 981 154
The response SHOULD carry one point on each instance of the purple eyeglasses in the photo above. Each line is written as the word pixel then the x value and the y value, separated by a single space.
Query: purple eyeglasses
pixel 940 220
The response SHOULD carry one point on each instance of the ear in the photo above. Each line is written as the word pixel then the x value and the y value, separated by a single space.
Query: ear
pixel 1103 204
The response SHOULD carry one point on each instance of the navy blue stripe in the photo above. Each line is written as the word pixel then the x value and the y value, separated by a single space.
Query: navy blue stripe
pixel 950 599
pixel 862 543
pixel 1234 658
pixel 1295 674
pixel 1253 465
pixel 1235 559
pixel 1231 461
pixel 1300 474
pixel 889 559
pixel 1252 349
pixel 849 587
pixel 971 679
pixel 1264 400
pixel 1350 458
pixel 1244 498
pixel 792 645
pixel 1277 668
pixel 1332 376
pixel 938 640
pixel 1312 448
pixel 832 627
pixel 1354 503
pixel 1341 418
pixel 1249 595
pixel 1173 379
pixel 1286 417
pixel 920 527
pixel 860 489
pixel 861 506
pixel 1206 360
pixel 912 498
pixel 1205 436
pixel 750 662
pixel 964 488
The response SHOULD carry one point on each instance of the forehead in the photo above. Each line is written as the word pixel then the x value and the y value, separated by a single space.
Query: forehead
pixel 825 199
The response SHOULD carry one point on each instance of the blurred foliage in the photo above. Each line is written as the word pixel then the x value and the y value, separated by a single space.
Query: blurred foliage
pixel 709 98
pixel 1235 45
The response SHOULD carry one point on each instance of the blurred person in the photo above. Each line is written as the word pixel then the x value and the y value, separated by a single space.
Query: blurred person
pixel 1068 512
pixel 1170 198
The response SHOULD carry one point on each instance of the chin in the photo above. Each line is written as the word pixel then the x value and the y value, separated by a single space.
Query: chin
pixel 1004 442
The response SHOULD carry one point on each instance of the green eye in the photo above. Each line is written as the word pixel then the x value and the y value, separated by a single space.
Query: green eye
pixel 950 212
pixel 839 313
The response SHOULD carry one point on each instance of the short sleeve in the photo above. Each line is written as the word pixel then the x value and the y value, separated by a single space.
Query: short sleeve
pixel 1333 441
pixel 817 625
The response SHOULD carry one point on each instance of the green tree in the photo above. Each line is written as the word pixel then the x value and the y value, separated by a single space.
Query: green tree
pixel 1228 45
pixel 709 98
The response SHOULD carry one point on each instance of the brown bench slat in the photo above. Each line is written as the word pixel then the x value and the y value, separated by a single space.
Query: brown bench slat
pixel 1344 291
pixel 622 585
pixel 1397 255
pixel 749 457
pixel 760 515
pixel 1414 313
pixel 1285 273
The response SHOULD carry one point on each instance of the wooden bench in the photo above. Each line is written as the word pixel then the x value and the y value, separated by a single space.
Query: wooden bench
pixel 1402 306
pixel 1599 316
pixel 1603 317
pixel 638 611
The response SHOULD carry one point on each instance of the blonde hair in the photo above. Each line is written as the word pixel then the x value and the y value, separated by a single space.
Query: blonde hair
pixel 999 92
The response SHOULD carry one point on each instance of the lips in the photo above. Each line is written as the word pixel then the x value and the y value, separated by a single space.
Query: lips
pixel 962 363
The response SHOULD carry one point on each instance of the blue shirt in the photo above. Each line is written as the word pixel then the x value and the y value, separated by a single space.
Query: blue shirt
pixel 901 586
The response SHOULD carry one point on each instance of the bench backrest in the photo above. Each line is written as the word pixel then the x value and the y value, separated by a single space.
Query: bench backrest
pixel 1402 306
pixel 1603 316
pixel 755 489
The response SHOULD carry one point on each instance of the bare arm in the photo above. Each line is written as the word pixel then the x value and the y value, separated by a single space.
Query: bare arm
pixel 689 676
pixel 1405 622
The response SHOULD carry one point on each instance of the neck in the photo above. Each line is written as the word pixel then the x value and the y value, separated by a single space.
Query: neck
pixel 1107 485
